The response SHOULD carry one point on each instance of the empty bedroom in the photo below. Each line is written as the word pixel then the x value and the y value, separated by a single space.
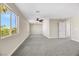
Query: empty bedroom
pixel 39 29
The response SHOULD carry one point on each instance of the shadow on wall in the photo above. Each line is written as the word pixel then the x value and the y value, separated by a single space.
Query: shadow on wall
pixel 77 53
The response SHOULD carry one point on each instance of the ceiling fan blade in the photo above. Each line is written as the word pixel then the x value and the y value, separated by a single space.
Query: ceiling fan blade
pixel 37 19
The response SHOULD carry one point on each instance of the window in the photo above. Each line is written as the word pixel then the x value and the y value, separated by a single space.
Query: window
pixel 13 23
pixel 8 21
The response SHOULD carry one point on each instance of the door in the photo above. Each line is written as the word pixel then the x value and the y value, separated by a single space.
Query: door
pixel 62 29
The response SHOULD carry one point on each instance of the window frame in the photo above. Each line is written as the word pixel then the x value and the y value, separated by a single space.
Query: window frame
pixel 17 22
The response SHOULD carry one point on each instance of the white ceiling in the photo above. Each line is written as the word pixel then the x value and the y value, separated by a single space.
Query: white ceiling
pixel 49 10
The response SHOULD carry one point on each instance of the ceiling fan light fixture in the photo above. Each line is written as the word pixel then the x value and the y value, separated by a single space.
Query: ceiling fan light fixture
pixel 37 11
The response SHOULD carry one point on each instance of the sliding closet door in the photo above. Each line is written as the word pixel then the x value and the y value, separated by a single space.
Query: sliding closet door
pixel 62 29
pixel 68 28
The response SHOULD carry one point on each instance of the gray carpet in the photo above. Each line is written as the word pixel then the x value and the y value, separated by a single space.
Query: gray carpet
pixel 38 45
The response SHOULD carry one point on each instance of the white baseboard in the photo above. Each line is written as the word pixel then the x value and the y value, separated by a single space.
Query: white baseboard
pixel 75 40
pixel 50 37
pixel 18 46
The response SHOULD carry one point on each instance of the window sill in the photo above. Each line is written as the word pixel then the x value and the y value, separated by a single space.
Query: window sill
pixel 8 36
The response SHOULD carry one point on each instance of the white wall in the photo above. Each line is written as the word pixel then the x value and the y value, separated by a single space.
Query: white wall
pixel 36 28
pixel 10 44
pixel 53 29
pixel 45 28
pixel 50 28
pixel 75 29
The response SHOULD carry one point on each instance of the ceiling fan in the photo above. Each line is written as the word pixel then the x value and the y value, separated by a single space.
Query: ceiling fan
pixel 40 20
